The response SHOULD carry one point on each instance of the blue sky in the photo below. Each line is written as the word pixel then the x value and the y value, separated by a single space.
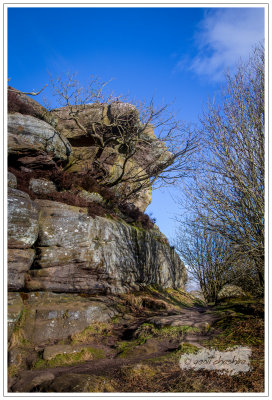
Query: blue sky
pixel 171 54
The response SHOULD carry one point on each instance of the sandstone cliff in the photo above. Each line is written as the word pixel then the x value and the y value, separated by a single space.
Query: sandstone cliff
pixel 72 246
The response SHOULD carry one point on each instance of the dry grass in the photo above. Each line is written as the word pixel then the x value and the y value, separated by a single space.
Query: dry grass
pixel 96 330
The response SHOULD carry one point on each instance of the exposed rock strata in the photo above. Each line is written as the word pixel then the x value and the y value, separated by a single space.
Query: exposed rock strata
pixel 23 216
pixel 29 137
pixel 19 261
pixel 65 266
pixel 50 316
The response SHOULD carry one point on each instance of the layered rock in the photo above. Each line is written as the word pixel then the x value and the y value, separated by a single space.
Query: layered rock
pixel 97 255
pixel 23 216
pixel 19 261
pixel 63 262
pixel 50 316
pixel 77 253
pixel 34 142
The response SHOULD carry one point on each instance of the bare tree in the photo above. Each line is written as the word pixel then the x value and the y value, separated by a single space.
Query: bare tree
pixel 208 257
pixel 228 192
pixel 143 159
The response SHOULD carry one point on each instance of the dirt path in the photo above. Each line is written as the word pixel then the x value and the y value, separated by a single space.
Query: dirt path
pixel 197 317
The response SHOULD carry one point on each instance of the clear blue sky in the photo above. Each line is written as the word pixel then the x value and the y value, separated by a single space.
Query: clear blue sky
pixel 170 53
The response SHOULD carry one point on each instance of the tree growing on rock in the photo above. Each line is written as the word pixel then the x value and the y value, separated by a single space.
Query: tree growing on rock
pixel 124 152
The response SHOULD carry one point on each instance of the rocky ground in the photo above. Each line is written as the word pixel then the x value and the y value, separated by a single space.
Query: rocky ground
pixel 138 350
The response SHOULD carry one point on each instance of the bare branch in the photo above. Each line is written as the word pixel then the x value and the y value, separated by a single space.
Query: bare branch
pixel 33 93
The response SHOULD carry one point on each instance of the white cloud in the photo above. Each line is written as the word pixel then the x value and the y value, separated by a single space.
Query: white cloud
pixel 225 36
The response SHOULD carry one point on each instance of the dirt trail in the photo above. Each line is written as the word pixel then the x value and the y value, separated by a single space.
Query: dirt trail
pixel 197 317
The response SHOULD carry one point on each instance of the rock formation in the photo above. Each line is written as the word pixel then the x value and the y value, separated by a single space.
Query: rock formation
pixel 71 250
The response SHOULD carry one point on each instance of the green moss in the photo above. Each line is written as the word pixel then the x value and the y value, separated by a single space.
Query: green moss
pixel 187 348
pixel 115 319
pixel 124 347
pixel 88 353
pixel 173 356
pixel 17 337
pixel 147 330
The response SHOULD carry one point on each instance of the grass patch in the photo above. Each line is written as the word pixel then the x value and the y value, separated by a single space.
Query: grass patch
pixel 146 331
pixel 244 330
pixel 173 356
pixel 138 371
pixel 86 354
pixel 125 346
pixel 13 370
pixel 175 297
pixel 95 330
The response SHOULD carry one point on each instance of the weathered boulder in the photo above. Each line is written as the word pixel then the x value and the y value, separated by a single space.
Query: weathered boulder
pixel 12 180
pixel 100 118
pixel 78 253
pixel 86 114
pixel 125 114
pixel 19 261
pixel 82 158
pixel 63 225
pixel 151 151
pixel 51 316
pixel 23 216
pixel 229 291
pixel 91 196
pixel 29 137
pixel 112 163
pixel 41 186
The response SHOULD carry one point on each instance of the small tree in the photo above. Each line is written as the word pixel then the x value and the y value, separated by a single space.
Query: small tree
pixel 208 257
pixel 127 128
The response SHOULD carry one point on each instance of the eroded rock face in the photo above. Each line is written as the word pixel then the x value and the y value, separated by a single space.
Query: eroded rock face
pixel 106 121
pixel 12 180
pixel 63 225
pixel 22 220
pixel 64 262
pixel 19 261
pixel 29 137
pixel 102 115
pixel 78 253
pixel 15 309
pixel 51 316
